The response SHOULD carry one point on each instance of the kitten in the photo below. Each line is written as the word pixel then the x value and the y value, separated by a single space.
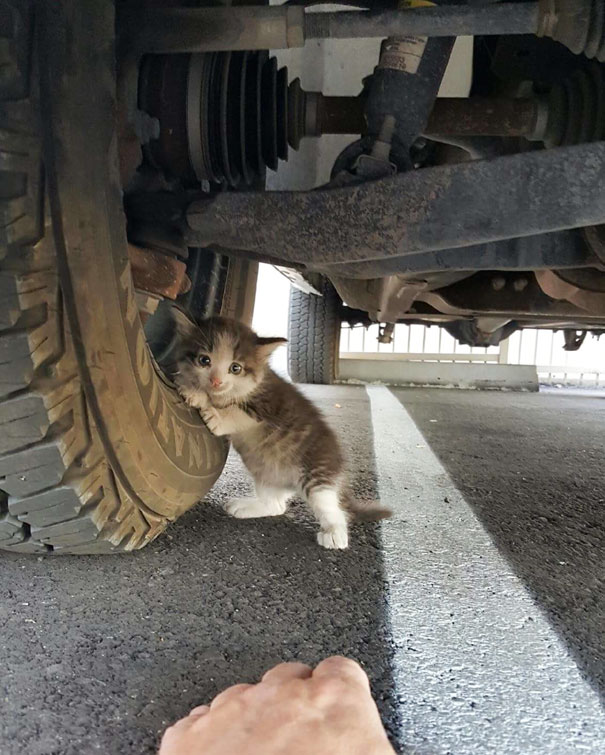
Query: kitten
pixel 283 439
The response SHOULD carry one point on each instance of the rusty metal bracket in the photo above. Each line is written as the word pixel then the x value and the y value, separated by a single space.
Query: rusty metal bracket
pixel 557 288
pixel 157 273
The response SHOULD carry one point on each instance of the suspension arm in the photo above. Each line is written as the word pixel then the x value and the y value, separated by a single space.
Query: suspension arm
pixel 444 207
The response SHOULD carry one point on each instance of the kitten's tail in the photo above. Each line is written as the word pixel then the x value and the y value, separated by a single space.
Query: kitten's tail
pixel 363 511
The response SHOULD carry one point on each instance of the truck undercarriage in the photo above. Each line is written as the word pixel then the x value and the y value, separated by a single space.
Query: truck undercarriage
pixel 135 140
pixel 482 212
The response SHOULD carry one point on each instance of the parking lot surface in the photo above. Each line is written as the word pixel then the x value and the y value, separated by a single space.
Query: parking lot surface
pixel 478 610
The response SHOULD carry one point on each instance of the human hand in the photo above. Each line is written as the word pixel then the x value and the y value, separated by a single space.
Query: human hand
pixel 294 710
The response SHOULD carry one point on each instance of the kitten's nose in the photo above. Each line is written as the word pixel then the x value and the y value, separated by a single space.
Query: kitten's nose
pixel 216 382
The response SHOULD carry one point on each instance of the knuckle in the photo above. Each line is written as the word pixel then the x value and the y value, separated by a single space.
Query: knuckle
pixel 342 662
pixel 172 734
pixel 279 669
pixel 339 664
pixel 345 671
pixel 330 686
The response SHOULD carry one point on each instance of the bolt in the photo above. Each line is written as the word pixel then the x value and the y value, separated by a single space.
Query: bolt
pixel 498 283
pixel 520 284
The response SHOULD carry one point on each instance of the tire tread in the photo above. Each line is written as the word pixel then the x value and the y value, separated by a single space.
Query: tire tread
pixel 313 334
pixel 58 493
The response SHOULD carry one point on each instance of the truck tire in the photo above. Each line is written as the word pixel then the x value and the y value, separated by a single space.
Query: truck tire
pixel 97 452
pixel 314 334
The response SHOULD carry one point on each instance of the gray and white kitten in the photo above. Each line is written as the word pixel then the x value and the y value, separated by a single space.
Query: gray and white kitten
pixel 283 439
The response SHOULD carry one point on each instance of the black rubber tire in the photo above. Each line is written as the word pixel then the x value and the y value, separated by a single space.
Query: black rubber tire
pixel 97 452
pixel 314 334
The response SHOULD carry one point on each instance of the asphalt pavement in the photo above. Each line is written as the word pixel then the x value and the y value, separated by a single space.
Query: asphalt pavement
pixel 478 610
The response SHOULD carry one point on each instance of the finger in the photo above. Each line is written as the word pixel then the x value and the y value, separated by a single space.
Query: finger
pixel 345 669
pixel 198 711
pixel 229 694
pixel 284 672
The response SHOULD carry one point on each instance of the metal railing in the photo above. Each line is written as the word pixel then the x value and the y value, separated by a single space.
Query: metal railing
pixel 543 348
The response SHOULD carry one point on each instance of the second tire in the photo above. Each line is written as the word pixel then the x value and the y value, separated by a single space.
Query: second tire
pixel 314 334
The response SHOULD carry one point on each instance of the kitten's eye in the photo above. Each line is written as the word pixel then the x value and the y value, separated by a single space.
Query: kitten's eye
pixel 235 368
pixel 204 360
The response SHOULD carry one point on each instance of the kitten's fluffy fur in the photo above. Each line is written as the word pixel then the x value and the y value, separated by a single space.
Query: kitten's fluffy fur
pixel 281 436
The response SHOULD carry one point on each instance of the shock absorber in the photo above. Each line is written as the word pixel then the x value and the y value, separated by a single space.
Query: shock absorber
pixel 405 84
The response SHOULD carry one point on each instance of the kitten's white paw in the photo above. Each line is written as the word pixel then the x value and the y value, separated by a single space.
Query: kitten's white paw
pixel 201 400
pixel 193 398
pixel 212 418
pixel 252 508
pixel 335 538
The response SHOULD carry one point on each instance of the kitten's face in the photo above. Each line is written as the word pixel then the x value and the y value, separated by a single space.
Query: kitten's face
pixel 221 369
pixel 222 358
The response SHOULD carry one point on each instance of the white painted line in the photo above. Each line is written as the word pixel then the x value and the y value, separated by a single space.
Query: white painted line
pixel 478 669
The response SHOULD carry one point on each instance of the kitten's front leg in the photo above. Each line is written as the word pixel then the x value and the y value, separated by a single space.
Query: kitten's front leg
pixel 199 400
pixel 214 421
pixel 195 398
pixel 227 421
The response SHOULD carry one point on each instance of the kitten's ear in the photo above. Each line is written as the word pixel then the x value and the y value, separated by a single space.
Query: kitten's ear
pixel 266 346
pixel 183 324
